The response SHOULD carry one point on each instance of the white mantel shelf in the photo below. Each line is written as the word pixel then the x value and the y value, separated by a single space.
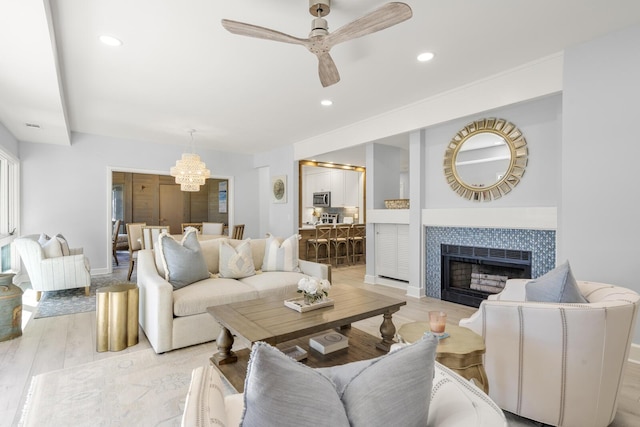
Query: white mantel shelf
pixel 388 216
pixel 536 218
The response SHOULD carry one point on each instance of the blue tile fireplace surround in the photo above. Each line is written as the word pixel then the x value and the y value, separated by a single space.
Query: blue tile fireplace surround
pixel 541 243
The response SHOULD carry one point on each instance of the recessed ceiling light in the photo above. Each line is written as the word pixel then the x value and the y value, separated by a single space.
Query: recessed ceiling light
pixel 326 102
pixel 110 41
pixel 426 56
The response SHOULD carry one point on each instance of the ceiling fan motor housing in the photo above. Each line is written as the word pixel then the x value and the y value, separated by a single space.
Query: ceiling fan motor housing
pixel 319 8
pixel 319 27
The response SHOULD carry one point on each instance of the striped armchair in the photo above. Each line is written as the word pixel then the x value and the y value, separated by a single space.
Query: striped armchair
pixel 559 364
pixel 52 274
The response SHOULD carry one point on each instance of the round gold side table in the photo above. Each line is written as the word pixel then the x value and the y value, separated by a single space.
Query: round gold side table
pixel 116 317
pixel 461 352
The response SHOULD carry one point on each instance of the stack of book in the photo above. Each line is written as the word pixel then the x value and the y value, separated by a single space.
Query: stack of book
pixel 328 342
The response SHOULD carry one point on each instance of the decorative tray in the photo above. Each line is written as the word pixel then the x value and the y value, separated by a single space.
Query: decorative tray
pixel 296 352
pixel 298 304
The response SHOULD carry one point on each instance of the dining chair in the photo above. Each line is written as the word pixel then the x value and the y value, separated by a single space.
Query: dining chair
pixel 114 239
pixel 358 241
pixel 134 237
pixel 196 225
pixel 323 233
pixel 150 234
pixel 340 240
pixel 212 228
pixel 238 231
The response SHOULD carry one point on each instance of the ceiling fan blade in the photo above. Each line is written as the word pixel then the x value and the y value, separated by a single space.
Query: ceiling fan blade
pixel 327 69
pixel 251 30
pixel 384 17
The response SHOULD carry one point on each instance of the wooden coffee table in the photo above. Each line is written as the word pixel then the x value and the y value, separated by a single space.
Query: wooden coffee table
pixel 461 352
pixel 269 320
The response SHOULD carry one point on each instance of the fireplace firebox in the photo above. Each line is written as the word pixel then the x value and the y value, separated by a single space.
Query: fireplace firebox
pixel 470 274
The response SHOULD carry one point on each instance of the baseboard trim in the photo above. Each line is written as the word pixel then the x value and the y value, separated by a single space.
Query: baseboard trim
pixel 634 353
pixel 415 292
pixel 369 279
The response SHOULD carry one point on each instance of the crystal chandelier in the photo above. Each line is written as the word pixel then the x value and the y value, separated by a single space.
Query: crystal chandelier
pixel 190 172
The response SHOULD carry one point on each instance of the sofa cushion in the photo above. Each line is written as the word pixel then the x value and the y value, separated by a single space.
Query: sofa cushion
pixel 274 282
pixel 236 263
pixel 211 253
pixel 281 255
pixel 183 262
pixel 195 298
pixel 558 285
pixel 366 393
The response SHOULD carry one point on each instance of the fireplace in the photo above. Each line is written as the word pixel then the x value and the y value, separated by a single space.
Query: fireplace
pixel 470 274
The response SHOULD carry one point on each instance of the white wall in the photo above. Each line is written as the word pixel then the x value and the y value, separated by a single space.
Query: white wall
pixel 64 189
pixel 282 217
pixel 8 142
pixel 540 121
pixel 600 214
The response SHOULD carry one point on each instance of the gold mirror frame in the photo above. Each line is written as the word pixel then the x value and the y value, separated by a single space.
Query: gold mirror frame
pixel 517 147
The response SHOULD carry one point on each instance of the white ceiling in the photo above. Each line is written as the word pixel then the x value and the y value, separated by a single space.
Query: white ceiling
pixel 178 69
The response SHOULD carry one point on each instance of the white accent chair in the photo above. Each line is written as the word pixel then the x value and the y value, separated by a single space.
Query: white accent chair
pixel 559 364
pixel 53 274
pixel 214 228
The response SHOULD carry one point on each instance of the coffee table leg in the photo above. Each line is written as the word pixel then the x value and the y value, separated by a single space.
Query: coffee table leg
pixel 224 355
pixel 388 332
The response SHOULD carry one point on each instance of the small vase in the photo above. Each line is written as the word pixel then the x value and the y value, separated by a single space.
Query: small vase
pixel 309 299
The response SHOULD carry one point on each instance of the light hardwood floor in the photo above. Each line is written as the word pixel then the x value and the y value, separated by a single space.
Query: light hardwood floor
pixel 65 341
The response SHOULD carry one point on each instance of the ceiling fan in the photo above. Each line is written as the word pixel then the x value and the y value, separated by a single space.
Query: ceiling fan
pixel 320 41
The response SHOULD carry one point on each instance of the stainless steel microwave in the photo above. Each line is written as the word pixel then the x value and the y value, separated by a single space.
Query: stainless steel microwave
pixel 322 199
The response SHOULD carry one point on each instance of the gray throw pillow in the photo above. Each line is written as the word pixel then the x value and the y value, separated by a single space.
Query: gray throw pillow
pixel 367 393
pixel 558 285
pixel 183 262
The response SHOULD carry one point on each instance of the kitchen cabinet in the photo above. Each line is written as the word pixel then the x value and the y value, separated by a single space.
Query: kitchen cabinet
pixel 392 251
pixel 345 188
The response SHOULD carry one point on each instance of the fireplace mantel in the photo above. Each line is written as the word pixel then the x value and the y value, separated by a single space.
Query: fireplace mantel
pixel 533 218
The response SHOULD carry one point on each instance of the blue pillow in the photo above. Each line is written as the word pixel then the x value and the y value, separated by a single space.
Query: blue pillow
pixel 394 389
pixel 183 263
pixel 558 286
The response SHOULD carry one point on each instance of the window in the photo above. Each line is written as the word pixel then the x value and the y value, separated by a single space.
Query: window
pixel 9 207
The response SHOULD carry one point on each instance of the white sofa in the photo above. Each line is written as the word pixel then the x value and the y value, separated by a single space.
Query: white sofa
pixel 174 319
pixel 559 364
pixel 455 402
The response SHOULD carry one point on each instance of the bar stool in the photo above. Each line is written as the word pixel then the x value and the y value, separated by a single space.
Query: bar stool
pixel 323 234
pixel 341 239
pixel 357 240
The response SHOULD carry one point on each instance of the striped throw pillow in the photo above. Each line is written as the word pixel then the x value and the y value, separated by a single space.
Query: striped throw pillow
pixel 281 256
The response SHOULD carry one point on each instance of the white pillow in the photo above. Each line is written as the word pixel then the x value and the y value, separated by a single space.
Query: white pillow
pixel 52 248
pixel 63 244
pixel 236 263
pixel 281 256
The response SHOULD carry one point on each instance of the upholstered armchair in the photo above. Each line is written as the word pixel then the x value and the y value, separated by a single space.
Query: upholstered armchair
pixel 557 363
pixel 56 273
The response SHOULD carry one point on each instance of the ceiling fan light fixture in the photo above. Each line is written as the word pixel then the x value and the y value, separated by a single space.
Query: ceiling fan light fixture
pixel 426 56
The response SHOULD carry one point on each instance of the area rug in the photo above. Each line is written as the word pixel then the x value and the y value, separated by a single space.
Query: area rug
pixel 71 301
pixel 134 389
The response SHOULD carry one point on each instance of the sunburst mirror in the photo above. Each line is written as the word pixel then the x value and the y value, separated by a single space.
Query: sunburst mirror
pixel 486 159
